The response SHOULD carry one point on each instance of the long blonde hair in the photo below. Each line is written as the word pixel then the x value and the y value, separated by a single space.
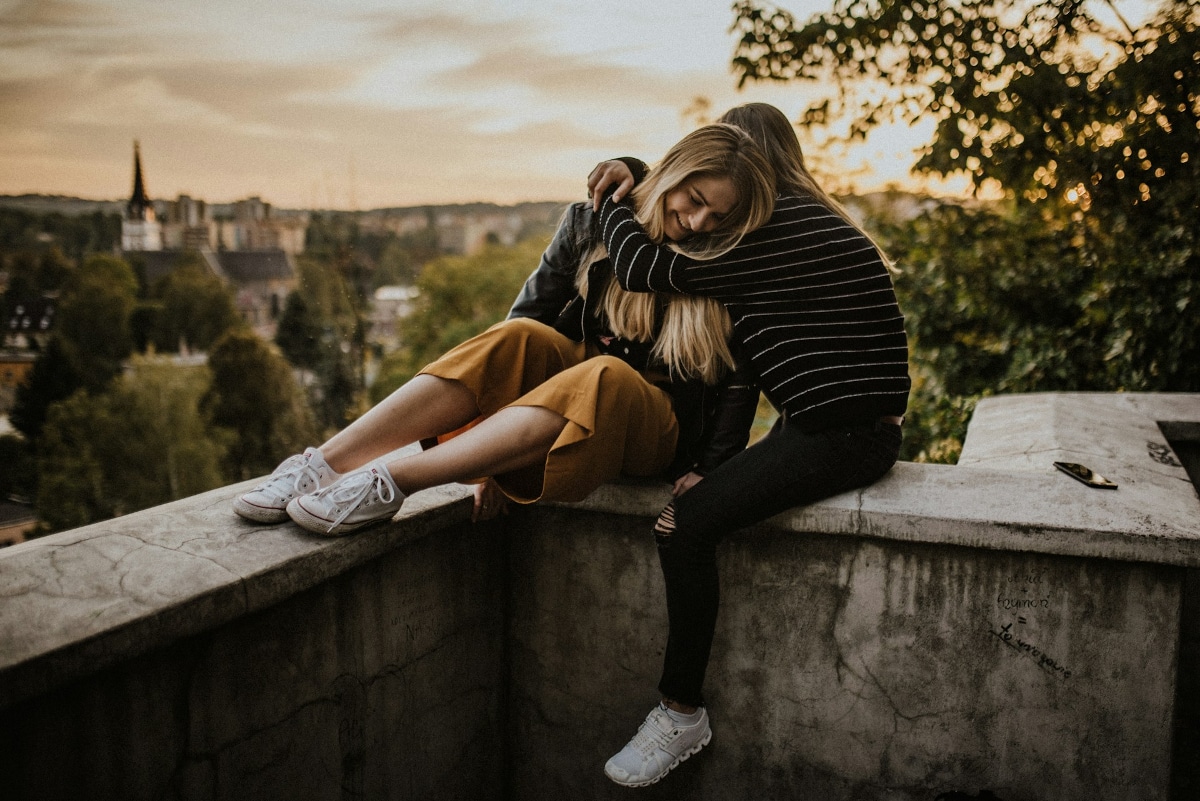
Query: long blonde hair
pixel 693 340
pixel 774 133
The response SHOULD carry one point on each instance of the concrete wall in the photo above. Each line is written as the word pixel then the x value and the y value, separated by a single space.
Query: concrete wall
pixel 847 668
pixel 386 680
pixel 989 626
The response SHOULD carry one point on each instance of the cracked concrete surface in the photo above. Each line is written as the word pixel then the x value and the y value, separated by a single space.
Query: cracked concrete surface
pixel 384 679
pixel 75 601
pixel 991 625
pixel 853 668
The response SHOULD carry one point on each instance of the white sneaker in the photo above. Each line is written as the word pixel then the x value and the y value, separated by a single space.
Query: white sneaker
pixel 297 475
pixel 357 499
pixel 659 746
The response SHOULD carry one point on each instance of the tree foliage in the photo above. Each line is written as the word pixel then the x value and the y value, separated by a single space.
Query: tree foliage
pixel 1088 276
pixel 1041 96
pixel 378 258
pixel 95 308
pixel 52 378
pixel 322 331
pixel 34 273
pixel 141 443
pixel 299 332
pixel 76 236
pixel 196 308
pixel 256 400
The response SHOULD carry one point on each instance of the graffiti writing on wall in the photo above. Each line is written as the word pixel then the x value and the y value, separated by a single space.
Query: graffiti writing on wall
pixel 1028 649
pixel 1027 582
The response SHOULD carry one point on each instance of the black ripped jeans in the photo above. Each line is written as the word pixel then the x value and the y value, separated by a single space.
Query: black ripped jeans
pixel 785 468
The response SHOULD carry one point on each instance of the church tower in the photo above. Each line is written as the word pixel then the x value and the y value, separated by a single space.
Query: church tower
pixel 140 230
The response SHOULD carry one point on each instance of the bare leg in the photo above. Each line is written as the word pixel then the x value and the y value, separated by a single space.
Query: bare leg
pixel 424 407
pixel 514 437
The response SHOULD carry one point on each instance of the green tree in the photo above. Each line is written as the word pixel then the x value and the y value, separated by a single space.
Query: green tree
pixel 35 273
pixel 77 236
pixel 256 400
pixel 52 379
pixel 1088 275
pixel 1059 102
pixel 299 332
pixel 71 461
pixel 196 308
pixel 397 266
pixel 142 443
pixel 460 296
pixel 93 321
pixel 322 331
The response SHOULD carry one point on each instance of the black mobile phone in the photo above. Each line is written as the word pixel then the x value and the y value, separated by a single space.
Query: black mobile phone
pixel 1085 474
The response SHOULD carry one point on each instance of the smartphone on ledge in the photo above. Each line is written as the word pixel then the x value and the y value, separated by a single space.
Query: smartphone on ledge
pixel 1086 475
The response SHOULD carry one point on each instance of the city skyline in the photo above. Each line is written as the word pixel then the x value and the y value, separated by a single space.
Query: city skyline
pixel 370 104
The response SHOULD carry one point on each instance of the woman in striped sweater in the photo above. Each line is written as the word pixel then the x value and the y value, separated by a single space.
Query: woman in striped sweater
pixel 815 316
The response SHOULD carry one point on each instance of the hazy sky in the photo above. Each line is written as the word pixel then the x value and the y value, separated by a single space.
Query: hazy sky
pixel 363 103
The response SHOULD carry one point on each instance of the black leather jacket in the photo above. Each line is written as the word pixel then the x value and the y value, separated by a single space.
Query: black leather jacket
pixel 714 421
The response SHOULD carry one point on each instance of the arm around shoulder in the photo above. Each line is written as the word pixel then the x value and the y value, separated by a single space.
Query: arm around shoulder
pixel 551 286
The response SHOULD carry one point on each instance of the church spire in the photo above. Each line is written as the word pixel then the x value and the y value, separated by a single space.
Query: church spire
pixel 139 204
pixel 140 230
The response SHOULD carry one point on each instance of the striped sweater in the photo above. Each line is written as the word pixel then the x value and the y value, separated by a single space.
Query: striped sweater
pixel 812 304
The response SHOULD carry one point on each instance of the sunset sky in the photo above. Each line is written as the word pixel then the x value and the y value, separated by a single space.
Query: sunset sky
pixel 363 103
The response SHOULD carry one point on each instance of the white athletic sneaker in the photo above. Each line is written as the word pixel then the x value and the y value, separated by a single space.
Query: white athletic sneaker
pixel 367 495
pixel 659 746
pixel 297 475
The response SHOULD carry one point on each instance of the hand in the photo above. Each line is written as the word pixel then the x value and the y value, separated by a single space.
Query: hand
pixel 685 483
pixel 605 175
pixel 490 502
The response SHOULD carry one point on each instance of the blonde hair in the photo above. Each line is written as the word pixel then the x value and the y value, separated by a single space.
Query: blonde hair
pixel 774 133
pixel 694 336
pixel 721 151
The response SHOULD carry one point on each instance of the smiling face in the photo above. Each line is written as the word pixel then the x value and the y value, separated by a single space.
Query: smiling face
pixel 697 206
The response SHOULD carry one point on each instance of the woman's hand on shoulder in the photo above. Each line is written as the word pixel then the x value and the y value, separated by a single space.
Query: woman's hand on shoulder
pixel 606 174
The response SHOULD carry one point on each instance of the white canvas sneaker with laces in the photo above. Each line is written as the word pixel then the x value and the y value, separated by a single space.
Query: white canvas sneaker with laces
pixel 297 475
pixel 359 498
pixel 660 744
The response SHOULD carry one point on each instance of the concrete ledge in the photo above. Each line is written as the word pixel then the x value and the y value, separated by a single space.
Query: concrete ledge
pixel 1044 512
pixel 384 680
pixel 278 658
pixel 1005 493
pixel 80 600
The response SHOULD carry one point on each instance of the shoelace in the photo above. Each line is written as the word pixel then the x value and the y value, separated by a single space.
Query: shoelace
pixel 658 737
pixel 295 467
pixel 353 489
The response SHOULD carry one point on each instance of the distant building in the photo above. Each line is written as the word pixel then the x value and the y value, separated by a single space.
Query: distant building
pixel 263 279
pixel 252 252
pixel 27 327
pixel 467 234
pixel 390 305
pixel 464 229
pixel 190 225
pixel 140 230
pixel 254 228
pixel 187 226
pixel 259 279
pixel 28 322
pixel 15 366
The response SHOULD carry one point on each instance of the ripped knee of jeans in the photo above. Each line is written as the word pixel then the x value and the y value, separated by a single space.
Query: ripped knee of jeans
pixel 664 527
